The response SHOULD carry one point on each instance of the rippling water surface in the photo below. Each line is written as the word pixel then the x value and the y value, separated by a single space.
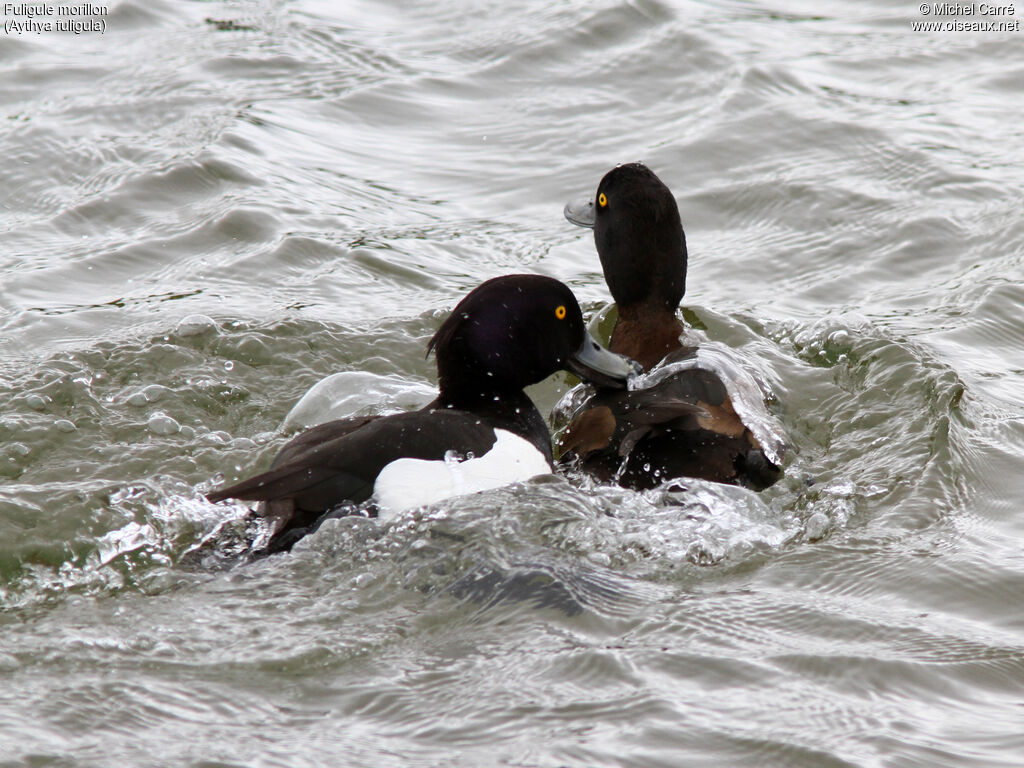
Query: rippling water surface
pixel 214 205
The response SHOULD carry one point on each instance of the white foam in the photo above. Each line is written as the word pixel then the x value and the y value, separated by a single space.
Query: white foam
pixel 354 393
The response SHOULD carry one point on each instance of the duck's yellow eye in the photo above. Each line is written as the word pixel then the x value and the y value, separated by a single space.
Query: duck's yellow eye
pixel 560 312
pixel 602 200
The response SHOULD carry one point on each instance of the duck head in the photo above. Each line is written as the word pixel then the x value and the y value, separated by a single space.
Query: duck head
pixel 517 330
pixel 638 234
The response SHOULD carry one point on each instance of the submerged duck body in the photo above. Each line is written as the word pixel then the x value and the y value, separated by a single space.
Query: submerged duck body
pixel 481 432
pixel 692 414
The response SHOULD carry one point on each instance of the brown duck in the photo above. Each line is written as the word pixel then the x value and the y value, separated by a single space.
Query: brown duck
pixel 683 420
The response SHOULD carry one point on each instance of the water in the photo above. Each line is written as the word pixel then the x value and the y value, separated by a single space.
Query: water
pixel 214 205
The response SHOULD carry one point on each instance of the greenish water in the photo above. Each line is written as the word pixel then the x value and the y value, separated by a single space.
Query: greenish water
pixel 212 206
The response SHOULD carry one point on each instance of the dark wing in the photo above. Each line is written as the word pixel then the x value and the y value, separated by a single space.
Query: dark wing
pixel 315 436
pixel 299 466
pixel 614 419
pixel 337 463
pixel 682 426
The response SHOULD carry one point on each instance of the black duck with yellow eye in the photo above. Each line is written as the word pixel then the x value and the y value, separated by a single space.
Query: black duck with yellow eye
pixel 481 432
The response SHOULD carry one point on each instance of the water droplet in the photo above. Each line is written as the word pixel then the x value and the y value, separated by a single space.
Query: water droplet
pixel 36 402
pixel 600 558
pixel 817 526
pixel 195 325
pixel 147 395
pixel 162 424
pixel 363 580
